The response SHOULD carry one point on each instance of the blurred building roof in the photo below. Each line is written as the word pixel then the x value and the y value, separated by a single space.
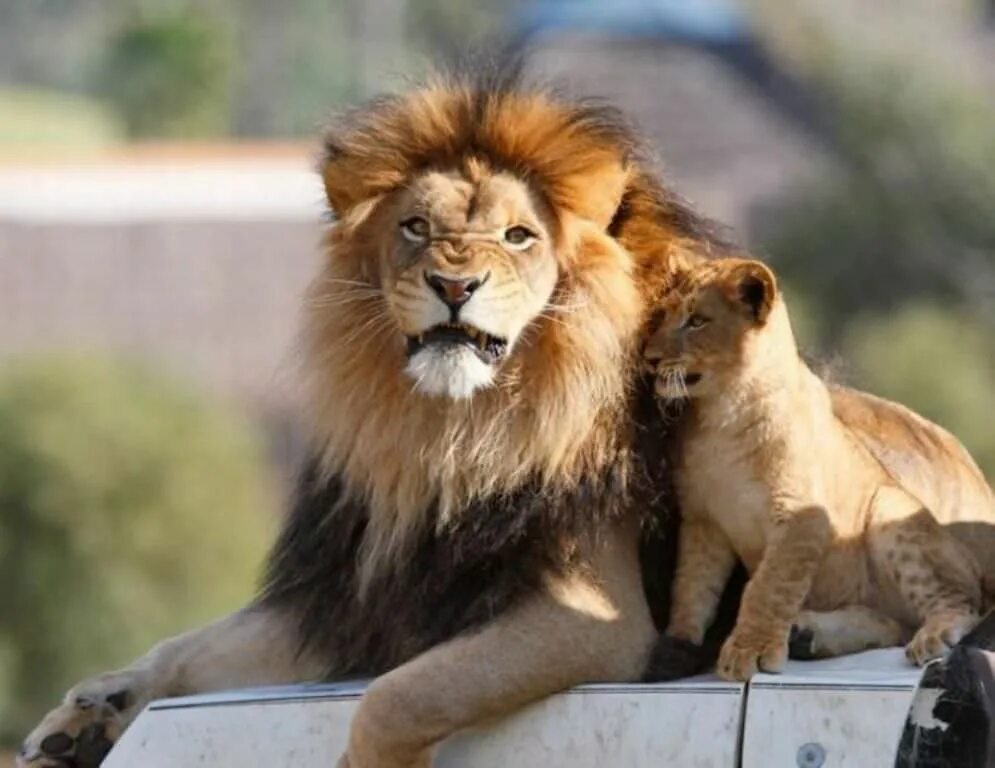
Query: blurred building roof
pixel 707 21
pixel 165 182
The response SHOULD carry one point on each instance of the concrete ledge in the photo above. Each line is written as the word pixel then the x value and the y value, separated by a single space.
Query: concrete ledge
pixel 844 712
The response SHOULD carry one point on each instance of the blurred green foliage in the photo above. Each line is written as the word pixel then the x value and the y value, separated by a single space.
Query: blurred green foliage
pixel 247 67
pixel 911 214
pixel 452 27
pixel 937 359
pixel 131 509
pixel 38 117
pixel 170 75
pixel 894 251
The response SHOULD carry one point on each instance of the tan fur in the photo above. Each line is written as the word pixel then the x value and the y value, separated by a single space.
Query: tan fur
pixel 845 504
pixel 580 630
pixel 556 408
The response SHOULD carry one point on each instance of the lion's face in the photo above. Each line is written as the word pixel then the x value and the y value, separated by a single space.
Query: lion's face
pixel 483 291
pixel 469 266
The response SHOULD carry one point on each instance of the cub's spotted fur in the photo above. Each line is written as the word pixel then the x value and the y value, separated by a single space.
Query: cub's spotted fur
pixel 860 523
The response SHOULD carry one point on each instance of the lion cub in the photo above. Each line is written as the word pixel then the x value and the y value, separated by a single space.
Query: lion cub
pixel 858 521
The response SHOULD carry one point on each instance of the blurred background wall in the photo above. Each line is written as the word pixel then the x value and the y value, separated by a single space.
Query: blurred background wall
pixel 159 220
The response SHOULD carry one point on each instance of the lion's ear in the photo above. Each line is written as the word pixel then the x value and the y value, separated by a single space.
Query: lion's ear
pixel 345 184
pixel 754 286
pixel 599 192
pixel 339 188
pixel 353 173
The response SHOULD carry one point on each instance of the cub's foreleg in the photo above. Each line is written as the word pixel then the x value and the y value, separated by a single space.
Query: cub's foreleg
pixel 936 575
pixel 587 627
pixel 776 593
pixel 254 646
pixel 705 560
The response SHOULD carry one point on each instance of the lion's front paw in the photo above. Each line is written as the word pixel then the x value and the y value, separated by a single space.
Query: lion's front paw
pixel 744 654
pixel 81 731
pixel 939 634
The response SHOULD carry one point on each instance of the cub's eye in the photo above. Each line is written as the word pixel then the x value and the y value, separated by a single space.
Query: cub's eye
pixel 415 229
pixel 696 321
pixel 519 238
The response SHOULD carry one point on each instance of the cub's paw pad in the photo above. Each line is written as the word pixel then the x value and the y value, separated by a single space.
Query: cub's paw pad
pixel 673 658
pixel 925 646
pixel 801 643
pixel 937 636
pixel 741 658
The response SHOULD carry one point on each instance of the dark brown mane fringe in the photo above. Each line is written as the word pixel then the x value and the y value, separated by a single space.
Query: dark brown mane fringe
pixel 454 580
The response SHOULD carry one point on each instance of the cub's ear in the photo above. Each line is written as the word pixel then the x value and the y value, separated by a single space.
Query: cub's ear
pixel 754 285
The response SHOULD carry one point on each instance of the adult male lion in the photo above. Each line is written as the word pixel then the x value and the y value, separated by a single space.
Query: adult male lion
pixel 468 529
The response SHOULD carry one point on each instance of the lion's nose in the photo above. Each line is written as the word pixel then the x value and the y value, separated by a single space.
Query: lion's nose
pixel 454 292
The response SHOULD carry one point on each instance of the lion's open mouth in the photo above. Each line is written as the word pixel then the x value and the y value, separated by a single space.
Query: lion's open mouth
pixel 488 348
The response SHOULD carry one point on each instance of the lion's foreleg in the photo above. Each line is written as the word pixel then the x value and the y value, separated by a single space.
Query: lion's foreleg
pixel 580 629
pixel 254 646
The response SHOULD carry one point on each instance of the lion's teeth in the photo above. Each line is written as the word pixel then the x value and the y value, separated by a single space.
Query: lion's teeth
pixel 421 338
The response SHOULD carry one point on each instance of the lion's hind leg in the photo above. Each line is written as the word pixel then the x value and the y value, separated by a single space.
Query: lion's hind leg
pixel 854 628
pixel 935 575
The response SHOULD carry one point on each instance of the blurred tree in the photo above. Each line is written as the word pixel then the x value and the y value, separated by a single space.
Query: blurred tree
pixel 170 74
pixel 939 363
pixel 131 509
pixel 895 253
pixel 912 215
pixel 444 28
pixel 296 61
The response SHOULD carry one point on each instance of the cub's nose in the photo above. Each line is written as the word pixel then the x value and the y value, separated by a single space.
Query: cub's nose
pixel 652 353
pixel 454 292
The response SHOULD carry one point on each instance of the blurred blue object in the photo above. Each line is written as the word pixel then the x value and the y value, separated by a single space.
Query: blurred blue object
pixel 706 22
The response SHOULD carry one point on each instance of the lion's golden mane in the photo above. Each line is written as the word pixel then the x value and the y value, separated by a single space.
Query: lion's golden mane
pixel 407 467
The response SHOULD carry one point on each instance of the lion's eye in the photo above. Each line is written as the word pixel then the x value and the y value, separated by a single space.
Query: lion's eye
pixel 415 229
pixel 518 237
pixel 696 321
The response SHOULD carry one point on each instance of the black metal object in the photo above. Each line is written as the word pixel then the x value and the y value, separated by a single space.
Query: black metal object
pixel 952 720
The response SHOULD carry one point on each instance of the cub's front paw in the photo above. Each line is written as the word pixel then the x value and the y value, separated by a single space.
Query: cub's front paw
pixel 939 634
pixel 672 659
pixel 744 654
pixel 81 731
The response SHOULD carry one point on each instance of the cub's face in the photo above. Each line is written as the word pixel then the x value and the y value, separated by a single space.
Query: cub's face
pixel 470 265
pixel 702 325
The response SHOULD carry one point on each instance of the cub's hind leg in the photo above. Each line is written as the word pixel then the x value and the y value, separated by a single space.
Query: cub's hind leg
pixel 934 574
pixel 854 628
